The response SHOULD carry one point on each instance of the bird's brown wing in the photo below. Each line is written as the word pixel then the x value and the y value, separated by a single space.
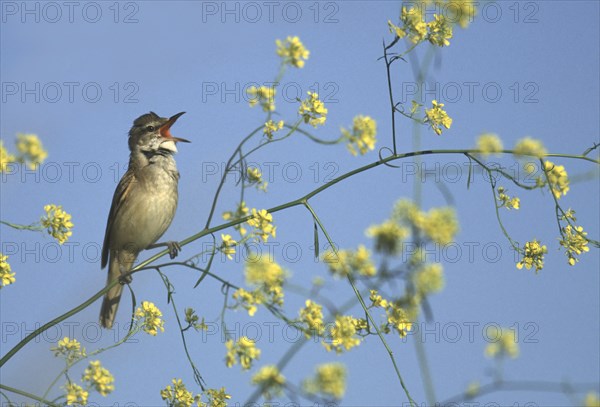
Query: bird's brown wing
pixel 120 195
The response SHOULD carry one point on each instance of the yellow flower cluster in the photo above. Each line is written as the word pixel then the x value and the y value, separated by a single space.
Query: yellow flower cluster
pixel 312 316
pixel 429 279
pixel 313 110
pixel 533 256
pixel 255 178
pixel 292 51
pixel 228 246
pixel 149 316
pixel 559 180
pixel 268 278
pixel 216 398
pixel 178 395
pixel 76 395
pixel 504 344
pixel 591 400
pixel 240 212
pixel 506 201
pixel 575 242
pixel 262 95
pixel 31 150
pixel 194 321
pixel 398 318
pixel 272 127
pixel 440 31
pixel 489 143
pixel 439 224
pixel 530 147
pixel 5 158
pixel 329 380
pixel 270 380
pixel 388 237
pixel 377 300
pixel 99 378
pixel 347 262
pixel 362 137
pixel 244 352
pixel 58 223
pixel 262 222
pixel 6 274
pixel 437 117
pixel 344 334
pixel 414 25
pixel 70 349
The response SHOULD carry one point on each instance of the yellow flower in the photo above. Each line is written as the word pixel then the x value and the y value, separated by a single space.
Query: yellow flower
pixel 179 395
pixel 58 223
pixel 262 222
pixel 243 352
pixel 439 224
pixel 248 300
pixel 5 157
pixel 388 237
pixel 216 398
pixel 489 143
pixel 414 24
pixel 429 279
pixel 270 380
pixel 31 150
pixel 329 380
pixel 473 389
pixel 150 318
pixel 591 400
pixel 575 242
pixel 343 334
pixel 394 29
pixel 362 138
pixel 312 316
pixel 313 110
pixel 271 127
pixel 264 96
pixel 292 51
pixel 506 201
pixel 377 300
pixel 99 378
pixel 6 274
pixel 440 31
pixel 559 180
pixel 533 256
pixel 529 146
pixel 346 262
pixel 70 349
pixel 228 246
pixel 398 318
pixel 255 178
pixel 505 343
pixel 462 10
pixel 194 321
pixel 437 117
pixel 76 395
pixel 240 212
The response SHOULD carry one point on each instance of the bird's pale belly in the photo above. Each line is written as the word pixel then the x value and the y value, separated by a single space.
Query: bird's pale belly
pixel 147 214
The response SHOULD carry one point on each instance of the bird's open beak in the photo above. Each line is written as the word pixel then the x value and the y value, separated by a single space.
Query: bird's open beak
pixel 165 129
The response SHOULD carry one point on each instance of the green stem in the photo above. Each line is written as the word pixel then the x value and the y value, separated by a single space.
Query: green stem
pixel 28 395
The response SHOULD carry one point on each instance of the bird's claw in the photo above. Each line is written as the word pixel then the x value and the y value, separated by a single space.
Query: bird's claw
pixel 174 249
pixel 125 279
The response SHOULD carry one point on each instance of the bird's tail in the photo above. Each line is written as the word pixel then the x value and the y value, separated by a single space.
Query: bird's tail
pixel 118 265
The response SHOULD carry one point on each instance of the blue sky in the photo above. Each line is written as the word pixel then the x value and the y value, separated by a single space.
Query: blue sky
pixel 79 76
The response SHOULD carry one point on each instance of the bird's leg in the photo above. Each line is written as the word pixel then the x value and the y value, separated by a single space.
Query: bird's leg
pixel 173 246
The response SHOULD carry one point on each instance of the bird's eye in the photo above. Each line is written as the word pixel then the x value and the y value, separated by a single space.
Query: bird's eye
pixel 150 128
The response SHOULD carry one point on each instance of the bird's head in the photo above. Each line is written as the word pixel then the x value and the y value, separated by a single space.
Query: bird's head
pixel 151 133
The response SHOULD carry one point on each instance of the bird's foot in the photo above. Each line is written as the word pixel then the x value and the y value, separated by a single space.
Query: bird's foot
pixel 125 279
pixel 173 247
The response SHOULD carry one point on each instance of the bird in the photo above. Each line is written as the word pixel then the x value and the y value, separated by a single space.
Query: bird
pixel 143 205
